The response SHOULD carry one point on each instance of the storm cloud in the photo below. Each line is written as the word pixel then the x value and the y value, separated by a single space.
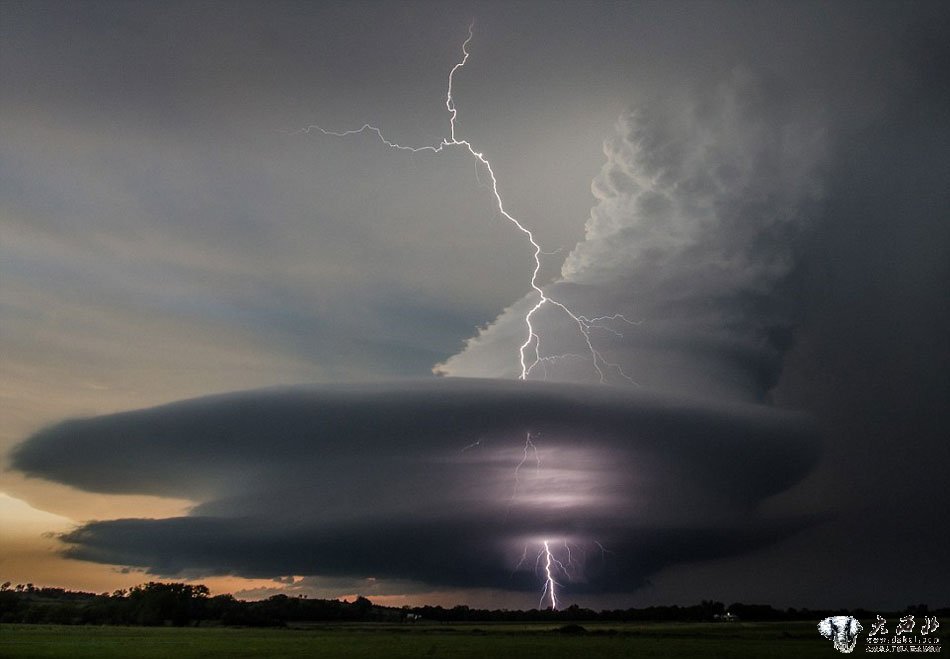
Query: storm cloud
pixel 703 204
pixel 769 212
pixel 432 481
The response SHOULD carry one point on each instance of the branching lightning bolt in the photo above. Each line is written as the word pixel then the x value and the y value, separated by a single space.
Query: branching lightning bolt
pixel 549 582
pixel 549 567
pixel 529 446
pixel 529 353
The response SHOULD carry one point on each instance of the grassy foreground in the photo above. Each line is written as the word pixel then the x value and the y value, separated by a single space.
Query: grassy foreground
pixel 732 640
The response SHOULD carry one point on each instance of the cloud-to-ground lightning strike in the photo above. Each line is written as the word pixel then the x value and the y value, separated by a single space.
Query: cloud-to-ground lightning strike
pixel 529 353
pixel 549 582
pixel 547 563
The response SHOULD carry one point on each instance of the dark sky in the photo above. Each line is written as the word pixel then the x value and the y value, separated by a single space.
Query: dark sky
pixel 760 189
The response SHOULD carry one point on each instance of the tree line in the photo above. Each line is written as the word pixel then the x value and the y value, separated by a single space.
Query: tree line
pixel 181 604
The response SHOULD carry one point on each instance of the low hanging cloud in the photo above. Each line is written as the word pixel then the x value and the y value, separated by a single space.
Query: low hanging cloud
pixel 457 483
pixel 136 273
pixel 432 481
pixel 701 206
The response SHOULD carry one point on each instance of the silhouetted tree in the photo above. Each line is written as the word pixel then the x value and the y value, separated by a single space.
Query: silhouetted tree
pixel 155 603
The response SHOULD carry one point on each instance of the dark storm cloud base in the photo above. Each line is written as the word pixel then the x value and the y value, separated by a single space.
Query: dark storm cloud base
pixel 417 480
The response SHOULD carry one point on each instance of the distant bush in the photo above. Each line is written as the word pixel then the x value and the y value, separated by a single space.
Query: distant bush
pixel 157 603
pixel 570 629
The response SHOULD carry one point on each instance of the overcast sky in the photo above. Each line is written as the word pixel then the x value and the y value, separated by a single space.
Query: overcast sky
pixel 760 189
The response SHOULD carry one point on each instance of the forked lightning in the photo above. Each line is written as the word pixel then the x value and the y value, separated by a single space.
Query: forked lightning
pixel 529 354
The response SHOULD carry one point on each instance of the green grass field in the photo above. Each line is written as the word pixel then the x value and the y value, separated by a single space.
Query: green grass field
pixel 472 641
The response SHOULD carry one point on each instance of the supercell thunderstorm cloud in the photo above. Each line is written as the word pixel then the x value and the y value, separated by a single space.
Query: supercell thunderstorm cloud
pixel 337 481
pixel 700 206
pixel 529 352
pixel 697 211
pixel 392 353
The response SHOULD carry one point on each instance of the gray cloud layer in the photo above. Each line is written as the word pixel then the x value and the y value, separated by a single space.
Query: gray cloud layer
pixel 420 480
pixel 162 238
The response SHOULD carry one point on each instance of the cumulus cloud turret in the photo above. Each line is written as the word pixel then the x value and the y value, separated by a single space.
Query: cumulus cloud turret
pixel 701 204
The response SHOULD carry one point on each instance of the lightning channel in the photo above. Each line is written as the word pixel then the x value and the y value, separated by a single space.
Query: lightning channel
pixel 550 585
pixel 529 352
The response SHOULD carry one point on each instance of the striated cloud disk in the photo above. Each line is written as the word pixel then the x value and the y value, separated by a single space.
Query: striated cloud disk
pixel 700 206
pixel 771 215
pixel 431 481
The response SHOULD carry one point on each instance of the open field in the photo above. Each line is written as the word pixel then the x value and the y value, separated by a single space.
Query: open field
pixel 455 641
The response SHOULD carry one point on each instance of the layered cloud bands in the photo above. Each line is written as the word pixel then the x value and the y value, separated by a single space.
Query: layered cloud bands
pixel 701 204
pixel 431 481
pixel 457 483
